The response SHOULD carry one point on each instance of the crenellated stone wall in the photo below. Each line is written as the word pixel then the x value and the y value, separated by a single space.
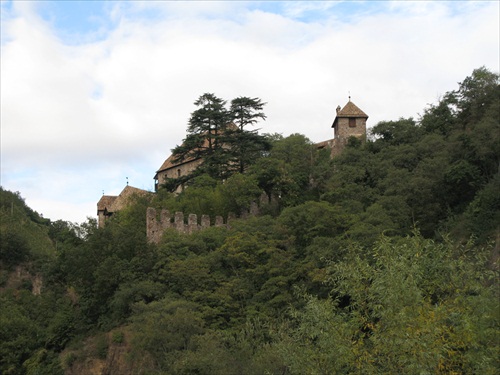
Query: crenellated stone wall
pixel 157 221
pixel 155 226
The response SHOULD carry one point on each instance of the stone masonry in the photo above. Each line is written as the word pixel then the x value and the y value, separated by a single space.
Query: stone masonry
pixel 156 226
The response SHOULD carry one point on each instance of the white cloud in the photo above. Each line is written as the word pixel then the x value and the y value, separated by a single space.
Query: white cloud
pixel 77 119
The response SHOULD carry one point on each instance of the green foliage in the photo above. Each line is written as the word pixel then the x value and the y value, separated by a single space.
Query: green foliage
pixel 13 249
pixel 24 233
pixel 407 306
pixel 483 214
pixel 381 260
pixel 396 133
pixel 19 336
pixel 245 146
pixel 286 172
pixel 218 136
pixel 239 191
pixel 164 329
pixel 314 219
pixel 101 346
pixel 43 362
pixel 69 359
pixel 118 337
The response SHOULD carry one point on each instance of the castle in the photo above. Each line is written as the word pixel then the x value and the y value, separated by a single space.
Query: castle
pixel 350 121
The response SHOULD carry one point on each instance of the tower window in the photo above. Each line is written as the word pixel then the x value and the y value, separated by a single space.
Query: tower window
pixel 352 122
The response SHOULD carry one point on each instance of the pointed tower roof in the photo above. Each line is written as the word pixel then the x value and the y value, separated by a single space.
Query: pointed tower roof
pixel 349 110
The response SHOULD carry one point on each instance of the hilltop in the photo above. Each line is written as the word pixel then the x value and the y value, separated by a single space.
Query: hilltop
pixel 382 259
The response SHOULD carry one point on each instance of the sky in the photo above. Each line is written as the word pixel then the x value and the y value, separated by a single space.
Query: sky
pixel 96 93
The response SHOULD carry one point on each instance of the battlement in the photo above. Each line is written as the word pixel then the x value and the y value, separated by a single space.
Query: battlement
pixel 155 226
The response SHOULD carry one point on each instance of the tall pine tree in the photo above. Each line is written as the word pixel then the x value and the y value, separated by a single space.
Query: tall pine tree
pixel 218 137
pixel 246 146
pixel 206 126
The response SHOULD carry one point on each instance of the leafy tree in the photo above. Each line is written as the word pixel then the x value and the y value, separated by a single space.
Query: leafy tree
pixel 405 306
pixel 164 329
pixel 13 249
pixel 20 335
pixel 440 118
pixel 475 95
pixel 314 219
pixel 285 173
pixel 238 192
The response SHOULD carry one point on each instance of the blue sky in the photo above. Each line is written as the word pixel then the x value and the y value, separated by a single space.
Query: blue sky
pixel 93 92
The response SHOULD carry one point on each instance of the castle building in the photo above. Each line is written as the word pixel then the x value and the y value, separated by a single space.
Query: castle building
pixel 109 204
pixel 171 169
pixel 350 121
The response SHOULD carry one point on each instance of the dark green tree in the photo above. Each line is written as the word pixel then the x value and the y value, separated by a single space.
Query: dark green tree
pixel 246 146
pixel 206 126
pixel 218 137
pixel 476 94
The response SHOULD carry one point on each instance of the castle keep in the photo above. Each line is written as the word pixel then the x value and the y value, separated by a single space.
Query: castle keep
pixel 349 121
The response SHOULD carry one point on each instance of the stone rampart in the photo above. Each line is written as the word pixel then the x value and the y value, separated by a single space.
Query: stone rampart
pixel 155 226
pixel 157 221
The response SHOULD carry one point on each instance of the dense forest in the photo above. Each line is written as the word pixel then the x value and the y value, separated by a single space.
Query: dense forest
pixel 383 260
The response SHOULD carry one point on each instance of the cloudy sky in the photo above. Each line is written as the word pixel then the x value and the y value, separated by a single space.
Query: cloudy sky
pixel 94 92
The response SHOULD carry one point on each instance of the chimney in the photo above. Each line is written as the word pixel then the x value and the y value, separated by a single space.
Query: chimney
pixel 338 109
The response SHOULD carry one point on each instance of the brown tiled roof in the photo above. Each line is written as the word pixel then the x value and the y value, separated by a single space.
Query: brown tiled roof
pixel 351 110
pixel 327 143
pixel 106 202
pixel 123 199
pixel 169 162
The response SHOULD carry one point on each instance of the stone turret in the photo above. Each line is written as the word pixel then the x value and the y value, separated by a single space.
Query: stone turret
pixel 350 121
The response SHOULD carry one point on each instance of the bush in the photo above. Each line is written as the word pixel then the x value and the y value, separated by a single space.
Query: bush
pixel 101 346
pixel 117 337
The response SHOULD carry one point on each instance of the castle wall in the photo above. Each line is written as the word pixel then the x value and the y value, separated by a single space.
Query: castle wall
pixel 344 130
pixel 101 218
pixel 156 226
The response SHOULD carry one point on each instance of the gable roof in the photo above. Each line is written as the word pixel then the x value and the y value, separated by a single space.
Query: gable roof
pixel 113 203
pixel 123 199
pixel 106 202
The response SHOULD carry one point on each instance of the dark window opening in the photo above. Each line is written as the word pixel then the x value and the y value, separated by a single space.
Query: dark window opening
pixel 352 122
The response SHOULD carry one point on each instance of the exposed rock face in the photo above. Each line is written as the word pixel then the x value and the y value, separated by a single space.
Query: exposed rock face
pixel 21 277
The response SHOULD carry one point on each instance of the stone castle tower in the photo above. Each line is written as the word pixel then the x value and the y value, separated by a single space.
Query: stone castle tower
pixel 350 121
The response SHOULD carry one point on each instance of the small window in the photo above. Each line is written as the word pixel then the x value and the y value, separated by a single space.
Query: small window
pixel 352 122
pixel 178 173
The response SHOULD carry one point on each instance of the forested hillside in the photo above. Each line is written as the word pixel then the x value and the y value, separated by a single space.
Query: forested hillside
pixel 383 260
